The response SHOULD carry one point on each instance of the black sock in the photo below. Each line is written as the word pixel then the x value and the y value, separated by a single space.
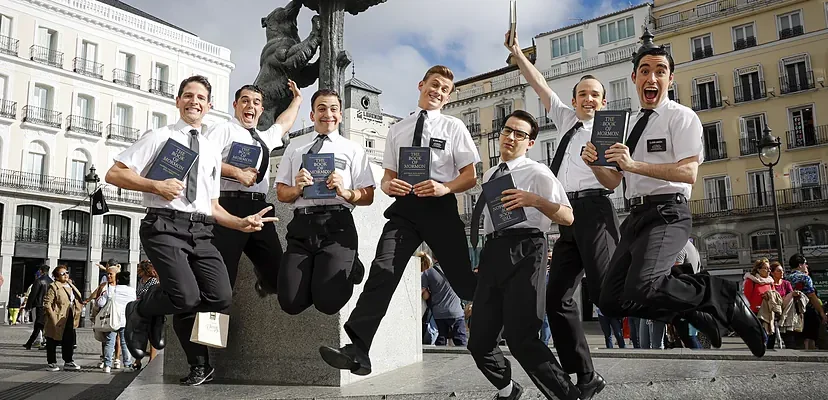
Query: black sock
pixel 584 377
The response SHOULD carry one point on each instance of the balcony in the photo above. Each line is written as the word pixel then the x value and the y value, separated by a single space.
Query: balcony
pixel 545 124
pixel 45 55
pixel 76 239
pixel 469 92
pixel 31 235
pixel 42 116
pixel 620 104
pixel 126 78
pixel 375 155
pixel 45 184
pixel 115 242
pixel 796 83
pixel 753 203
pixel 791 32
pixel 474 129
pixel 88 126
pixel 9 45
pixel 497 126
pixel 745 43
pixel 161 88
pixel 705 102
pixel 620 204
pixel 698 54
pixel 715 151
pixel 748 146
pixel 755 91
pixel 621 54
pixel 8 109
pixel 807 137
pixel 505 82
pixel 707 13
pixel 87 67
pixel 122 133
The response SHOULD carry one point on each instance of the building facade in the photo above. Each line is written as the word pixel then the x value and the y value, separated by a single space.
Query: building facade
pixel 80 81
pixel 743 66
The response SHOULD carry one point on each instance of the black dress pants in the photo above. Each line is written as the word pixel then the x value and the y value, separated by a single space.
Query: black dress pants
pixel 67 341
pixel 40 322
pixel 411 221
pixel 641 281
pixel 191 275
pixel 510 295
pixel 321 250
pixel 586 246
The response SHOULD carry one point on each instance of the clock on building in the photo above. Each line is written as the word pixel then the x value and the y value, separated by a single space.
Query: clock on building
pixel 365 102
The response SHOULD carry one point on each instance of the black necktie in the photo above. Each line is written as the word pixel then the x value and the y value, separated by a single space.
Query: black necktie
pixel 555 166
pixel 317 145
pixel 418 130
pixel 474 228
pixel 192 176
pixel 265 154
pixel 637 130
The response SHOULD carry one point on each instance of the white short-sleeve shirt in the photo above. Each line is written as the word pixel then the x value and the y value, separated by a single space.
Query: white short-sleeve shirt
pixel 452 146
pixel 140 155
pixel 224 134
pixel 673 133
pixel 351 163
pixel 533 177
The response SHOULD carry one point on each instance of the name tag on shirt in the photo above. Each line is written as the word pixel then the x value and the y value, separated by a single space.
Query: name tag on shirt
pixel 340 163
pixel 656 145
pixel 437 144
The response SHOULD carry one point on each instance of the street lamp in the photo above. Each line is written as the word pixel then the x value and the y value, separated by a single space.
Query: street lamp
pixel 91 181
pixel 769 156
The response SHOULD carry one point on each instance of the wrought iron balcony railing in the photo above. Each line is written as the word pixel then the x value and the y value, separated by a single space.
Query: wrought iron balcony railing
pixel 545 124
pixel 42 116
pixel 115 242
pixel 752 203
pixel 126 78
pixel 31 235
pixel 45 184
pixel 8 109
pixel 9 45
pixel 706 102
pixel 72 238
pixel 87 67
pixel 45 55
pixel 122 133
pixel 750 92
pixel 88 126
pixel 807 136
pixel 620 104
pixel 715 151
pixel 161 88
pixel 748 146
pixel 796 82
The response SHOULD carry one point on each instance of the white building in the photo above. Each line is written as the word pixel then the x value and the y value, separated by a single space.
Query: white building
pixel 80 80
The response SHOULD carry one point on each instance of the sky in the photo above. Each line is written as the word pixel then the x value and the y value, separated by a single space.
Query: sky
pixel 392 44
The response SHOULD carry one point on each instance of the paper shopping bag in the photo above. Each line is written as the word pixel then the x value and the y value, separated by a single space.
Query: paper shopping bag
pixel 210 329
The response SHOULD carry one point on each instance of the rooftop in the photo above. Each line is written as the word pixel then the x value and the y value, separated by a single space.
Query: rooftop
pixel 645 4
pixel 128 8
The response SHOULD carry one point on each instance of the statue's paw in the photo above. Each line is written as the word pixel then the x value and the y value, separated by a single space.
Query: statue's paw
pixel 316 25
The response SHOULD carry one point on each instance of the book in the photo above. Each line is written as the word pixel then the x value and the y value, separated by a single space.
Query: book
pixel 414 164
pixel 492 193
pixel 173 161
pixel 512 21
pixel 320 166
pixel 608 128
pixel 244 155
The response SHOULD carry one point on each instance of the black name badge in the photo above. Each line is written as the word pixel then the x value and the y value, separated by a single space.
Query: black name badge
pixel 437 144
pixel 340 163
pixel 656 145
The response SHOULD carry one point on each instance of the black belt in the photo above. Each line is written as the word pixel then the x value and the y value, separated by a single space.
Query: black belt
pixel 515 232
pixel 175 214
pixel 244 195
pixel 587 193
pixel 671 198
pixel 320 209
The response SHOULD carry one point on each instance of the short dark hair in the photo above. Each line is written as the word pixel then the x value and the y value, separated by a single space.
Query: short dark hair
pixel 44 268
pixel 796 260
pixel 198 79
pixel 654 51
pixel 111 262
pixel 585 77
pixel 122 278
pixel 325 92
pixel 525 116
pixel 252 88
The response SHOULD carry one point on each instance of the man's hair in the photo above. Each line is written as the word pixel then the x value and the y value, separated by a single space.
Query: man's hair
pixel 655 51
pixel 585 77
pixel 111 262
pixel 44 268
pixel 252 88
pixel 796 260
pixel 122 278
pixel 525 116
pixel 443 71
pixel 325 92
pixel 198 79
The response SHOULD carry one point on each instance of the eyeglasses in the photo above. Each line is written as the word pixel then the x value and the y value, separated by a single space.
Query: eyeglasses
pixel 519 135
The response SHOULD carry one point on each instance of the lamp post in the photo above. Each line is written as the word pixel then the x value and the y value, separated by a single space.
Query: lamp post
pixel 769 156
pixel 91 181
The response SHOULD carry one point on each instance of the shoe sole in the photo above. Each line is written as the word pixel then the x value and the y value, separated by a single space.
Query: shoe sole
pixel 760 351
pixel 336 359
pixel 158 345
pixel 595 393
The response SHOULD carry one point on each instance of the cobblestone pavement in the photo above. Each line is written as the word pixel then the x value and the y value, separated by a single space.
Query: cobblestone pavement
pixel 23 373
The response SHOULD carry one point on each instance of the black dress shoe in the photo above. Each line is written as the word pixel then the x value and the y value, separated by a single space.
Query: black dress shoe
pixel 593 387
pixel 357 271
pixel 517 391
pixel 348 357
pixel 136 330
pixel 262 287
pixel 706 324
pixel 745 323
pixel 156 332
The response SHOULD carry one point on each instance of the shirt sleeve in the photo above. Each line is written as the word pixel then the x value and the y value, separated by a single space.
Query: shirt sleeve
pixel 561 114
pixel 686 134
pixel 273 136
pixel 424 279
pixel 285 171
pixel 807 285
pixel 390 156
pixel 361 174
pixel 138 156
pixel 220 136
pixel 549 187
pixel 465 152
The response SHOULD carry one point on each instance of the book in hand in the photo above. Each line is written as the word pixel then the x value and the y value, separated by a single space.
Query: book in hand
pixel 493 194
pixel 244 155
pixel 414 165
pixel 608 128
pixel 173 161
pixel 512 21
pixel 320 166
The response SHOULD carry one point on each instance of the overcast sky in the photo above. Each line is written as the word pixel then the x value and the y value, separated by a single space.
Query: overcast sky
pixel 392 44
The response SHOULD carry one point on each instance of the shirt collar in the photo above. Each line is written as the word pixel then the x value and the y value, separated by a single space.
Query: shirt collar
pixel 237 122
pixel 514 163
pixel 333 136
pixel 185 127
pixel 430 114
pixel 660 108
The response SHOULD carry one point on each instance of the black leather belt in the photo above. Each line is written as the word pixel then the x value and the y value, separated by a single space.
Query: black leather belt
pixel 515 232
pixel 671 198
pixel 587 193
pixel 320 209
pixel 175 214
pixel 244 195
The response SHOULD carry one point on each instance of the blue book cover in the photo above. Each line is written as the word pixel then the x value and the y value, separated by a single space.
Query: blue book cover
pixel 414 164
pixel 320 166
pixel 608 129
pixel 244 155
pixel 173 161
pixel 492 193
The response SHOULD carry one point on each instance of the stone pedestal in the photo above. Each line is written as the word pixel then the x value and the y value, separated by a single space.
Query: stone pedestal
pixel 266 345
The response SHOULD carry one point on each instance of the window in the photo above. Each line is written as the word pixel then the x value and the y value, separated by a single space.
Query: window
pixel 126 62
pixel 88 51
pixel 760 189
pixel 116 232
pixel 35 162
pixel 672 92
pixel 469 201
pixel 5 28
pixel 790 25
pixel 804 130
pixel 501 112
pixel 616 30
pixel 123 115
pixel 3 85
pixel 796 74
pixel 569 44
pixel 42 97
pixel 669 48
pixel 32 224
pixel 764 244
pixel 707 95
pixel 75 229
pixel 369 143
pixel 714 146
pixel 750 132
pixel 807 180
pixel 813 239
pixel 743 37
pixel 47 38
pixel 717 194
pixel 749 84
pixel 77 169
pixel 85 106
pixel 161 72
pixel 548 151
pixel 158 120
pixel 494 148
pixel 702 46
pixel 472 121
